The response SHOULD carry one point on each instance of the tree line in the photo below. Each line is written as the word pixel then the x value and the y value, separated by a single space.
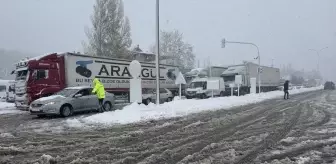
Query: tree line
pixel 110 36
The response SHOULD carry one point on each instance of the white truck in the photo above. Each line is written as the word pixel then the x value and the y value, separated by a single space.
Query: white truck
pixel 7 90
pixel 269 77
pixel 200 88
pixel 50 73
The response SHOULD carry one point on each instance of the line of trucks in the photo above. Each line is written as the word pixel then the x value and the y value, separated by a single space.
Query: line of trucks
pixel 47 74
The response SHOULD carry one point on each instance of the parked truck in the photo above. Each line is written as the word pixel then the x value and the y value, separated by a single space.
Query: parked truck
pixel 44 75
pixel 197 80
pixel 269 77
pixel 7 91
pixel 212 71
pixel 199 88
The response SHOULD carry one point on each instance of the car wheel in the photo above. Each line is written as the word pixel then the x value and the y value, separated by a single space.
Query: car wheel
pixel 107 106
pixel 66 111
pixel 169 99
pixel 148 101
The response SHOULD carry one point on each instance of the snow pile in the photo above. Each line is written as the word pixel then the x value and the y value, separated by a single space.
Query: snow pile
pixel 7 108
pixel 139 112
pixel 6 135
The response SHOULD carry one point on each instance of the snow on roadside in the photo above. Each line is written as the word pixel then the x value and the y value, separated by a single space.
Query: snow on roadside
pixel 136 113
pixel 8 108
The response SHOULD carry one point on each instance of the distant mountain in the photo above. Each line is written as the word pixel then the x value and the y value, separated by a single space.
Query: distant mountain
pixel 7 60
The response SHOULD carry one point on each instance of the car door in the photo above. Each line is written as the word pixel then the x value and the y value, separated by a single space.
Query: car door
pixel 92 101
pixel 80 103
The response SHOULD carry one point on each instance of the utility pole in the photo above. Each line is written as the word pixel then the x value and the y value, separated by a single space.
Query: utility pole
pixel 258 57
pixel 157 32
pixel 318 57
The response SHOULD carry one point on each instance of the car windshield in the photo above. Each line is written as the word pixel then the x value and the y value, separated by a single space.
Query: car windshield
pixel 67 92
pixel 21 75
pixel 198 84
pixel 229 78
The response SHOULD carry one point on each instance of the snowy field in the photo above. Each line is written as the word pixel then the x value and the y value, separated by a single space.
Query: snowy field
pixel 177 108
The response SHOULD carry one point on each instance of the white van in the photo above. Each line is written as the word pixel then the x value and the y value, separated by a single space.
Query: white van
pixel 199 88
pixel 7 90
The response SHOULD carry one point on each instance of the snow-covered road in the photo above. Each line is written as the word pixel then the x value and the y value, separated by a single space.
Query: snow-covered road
pixel 300 130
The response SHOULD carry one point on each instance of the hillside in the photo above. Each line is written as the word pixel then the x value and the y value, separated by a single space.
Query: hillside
pixel 7 60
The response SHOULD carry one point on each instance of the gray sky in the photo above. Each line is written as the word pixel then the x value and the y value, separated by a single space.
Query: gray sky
pixel 284 30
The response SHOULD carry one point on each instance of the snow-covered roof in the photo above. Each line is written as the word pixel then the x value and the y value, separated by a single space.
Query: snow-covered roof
pixel 39 57
pixel 206 79
pixel 234 70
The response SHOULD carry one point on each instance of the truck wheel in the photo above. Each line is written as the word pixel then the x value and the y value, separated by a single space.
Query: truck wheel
pixel 222 94
pixel 107 106
pixel 203 96
pixel 66 111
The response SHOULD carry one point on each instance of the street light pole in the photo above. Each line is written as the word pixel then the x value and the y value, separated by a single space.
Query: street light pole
pixel 157 32
pixel 223 45
pixel 318 57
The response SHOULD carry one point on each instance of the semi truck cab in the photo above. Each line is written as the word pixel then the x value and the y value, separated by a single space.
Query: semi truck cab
pixel 38 77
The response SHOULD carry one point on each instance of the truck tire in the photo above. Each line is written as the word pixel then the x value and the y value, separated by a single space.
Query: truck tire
pixel 66 110
pixel 203 96
pixel 222 94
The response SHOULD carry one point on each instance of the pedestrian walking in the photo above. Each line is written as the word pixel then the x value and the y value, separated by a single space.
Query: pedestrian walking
pixel 99 90
pixel 286 93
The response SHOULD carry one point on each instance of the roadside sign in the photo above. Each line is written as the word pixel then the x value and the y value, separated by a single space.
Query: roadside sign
pixel 180 79
pixel 135 82
pixel 239 79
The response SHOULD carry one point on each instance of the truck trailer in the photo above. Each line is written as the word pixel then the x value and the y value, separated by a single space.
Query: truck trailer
pixel 47 74
pixel 269 77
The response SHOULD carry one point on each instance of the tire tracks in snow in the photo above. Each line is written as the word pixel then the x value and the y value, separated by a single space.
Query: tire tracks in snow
pixel 225 131
pixel 272 139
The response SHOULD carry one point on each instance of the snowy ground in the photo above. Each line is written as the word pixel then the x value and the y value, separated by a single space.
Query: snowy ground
pixel 8 108
pixel 300 130
pixel 135 112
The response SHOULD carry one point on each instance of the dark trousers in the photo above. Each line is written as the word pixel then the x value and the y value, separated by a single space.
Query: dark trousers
pixel 286 94
pixel 101 106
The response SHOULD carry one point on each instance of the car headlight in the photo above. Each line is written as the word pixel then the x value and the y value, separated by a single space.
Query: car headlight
pixel 50 103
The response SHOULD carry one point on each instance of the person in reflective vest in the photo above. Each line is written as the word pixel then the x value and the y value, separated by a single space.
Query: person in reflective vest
pixel 99 90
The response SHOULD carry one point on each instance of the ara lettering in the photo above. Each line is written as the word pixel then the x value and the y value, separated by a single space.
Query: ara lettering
pixel 103 70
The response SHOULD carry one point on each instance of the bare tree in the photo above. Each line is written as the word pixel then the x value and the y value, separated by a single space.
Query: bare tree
pixel 110 34
pixel 174 47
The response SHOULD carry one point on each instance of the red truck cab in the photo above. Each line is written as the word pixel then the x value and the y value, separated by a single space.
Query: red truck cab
pixel 38 77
